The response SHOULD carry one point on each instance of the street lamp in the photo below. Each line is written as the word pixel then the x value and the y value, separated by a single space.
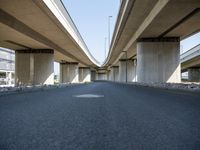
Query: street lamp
pixel 109 17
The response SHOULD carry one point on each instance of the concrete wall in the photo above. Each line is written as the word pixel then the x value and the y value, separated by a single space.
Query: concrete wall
pixel 33 67
pixel 84 74
pixel 158 60
pixel 69 73
pixel 194 74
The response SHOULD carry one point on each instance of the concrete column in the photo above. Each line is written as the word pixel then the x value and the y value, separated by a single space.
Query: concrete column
pixel 34 67
pixel 158 60
pixel 194 74
pixel 93 75
pixel 84 74
pixel 131 71
pixel 102 76
pixel 109 75
pixel 123 74
pixel 9 78
pixel 69 72
pixel 115 73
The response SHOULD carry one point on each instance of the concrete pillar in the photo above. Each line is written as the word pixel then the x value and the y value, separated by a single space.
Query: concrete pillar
pixel 131 71
pixel 158 60
pixel 109 75
pixel 84 74
pixel 194 74
pixel 115 73
pixel 123 70
pixel 102 76
pixel 34 67
pixel 69 72
pixel 93 75
pixel 9 78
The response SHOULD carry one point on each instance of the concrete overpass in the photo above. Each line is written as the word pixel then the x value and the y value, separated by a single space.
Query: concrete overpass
pixel 190 61
pixel 146 42
pixel 41 32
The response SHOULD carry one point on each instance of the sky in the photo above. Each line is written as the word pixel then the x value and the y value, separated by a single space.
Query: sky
pixel 91 19
pixel 190 42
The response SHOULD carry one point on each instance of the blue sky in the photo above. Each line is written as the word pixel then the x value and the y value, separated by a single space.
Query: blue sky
pixel 91 19
pixel 190 42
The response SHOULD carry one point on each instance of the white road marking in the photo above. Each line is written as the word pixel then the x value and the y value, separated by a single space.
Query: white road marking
pixel 88 96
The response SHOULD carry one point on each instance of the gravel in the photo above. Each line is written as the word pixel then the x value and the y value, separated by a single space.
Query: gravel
pixel 19 89
pixel 176 86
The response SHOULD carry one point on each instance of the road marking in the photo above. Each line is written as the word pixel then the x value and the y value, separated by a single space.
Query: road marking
pixel 88 96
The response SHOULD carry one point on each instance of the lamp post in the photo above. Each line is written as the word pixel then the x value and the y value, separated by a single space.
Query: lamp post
pixel 109 17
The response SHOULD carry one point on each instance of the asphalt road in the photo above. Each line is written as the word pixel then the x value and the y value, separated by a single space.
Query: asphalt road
pixel 123 117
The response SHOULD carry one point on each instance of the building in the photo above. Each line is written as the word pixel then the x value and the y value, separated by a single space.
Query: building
pixel 7 66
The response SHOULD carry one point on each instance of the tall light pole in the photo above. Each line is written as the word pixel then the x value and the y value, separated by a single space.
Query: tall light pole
pixel 109 17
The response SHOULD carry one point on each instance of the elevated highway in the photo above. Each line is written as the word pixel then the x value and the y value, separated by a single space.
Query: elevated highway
pixel 42 31
pixel 147 36
pixel 190 61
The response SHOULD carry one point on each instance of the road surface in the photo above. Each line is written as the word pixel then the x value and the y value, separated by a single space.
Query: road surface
pixel 100 116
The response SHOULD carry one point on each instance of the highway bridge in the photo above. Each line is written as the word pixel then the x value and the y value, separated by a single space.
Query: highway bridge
pixel 100 115
pixel 147 38
pixel 41 32
pixel 145 45
pixel 190 61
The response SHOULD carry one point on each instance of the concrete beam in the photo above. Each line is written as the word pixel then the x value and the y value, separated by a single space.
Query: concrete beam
pixel 33 67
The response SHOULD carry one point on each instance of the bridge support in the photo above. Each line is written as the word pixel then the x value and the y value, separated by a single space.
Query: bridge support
pixel 127 70
pixel 194 74
pixel 115 73
pixel 158 60
pixel 34 67
pixel 123 69
pixel 69 72
pixel 109 75
pixel 131 71
pixel 93 75
pixel 84 74
pixel 101 76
